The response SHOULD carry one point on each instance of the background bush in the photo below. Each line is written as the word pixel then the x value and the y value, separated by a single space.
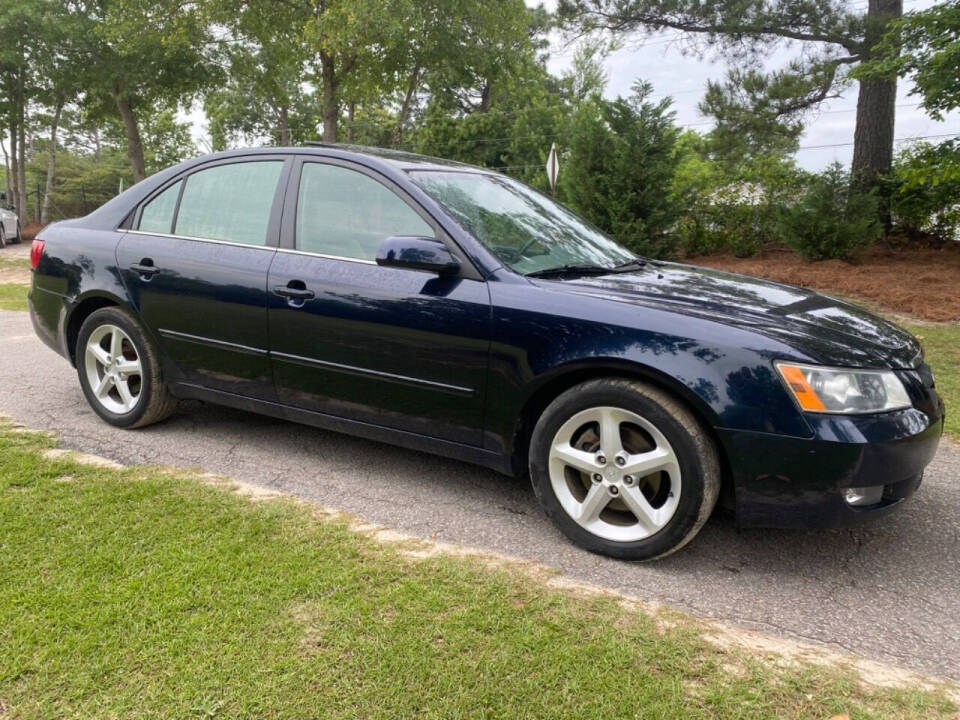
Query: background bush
pixel 924 190
pixel 831 219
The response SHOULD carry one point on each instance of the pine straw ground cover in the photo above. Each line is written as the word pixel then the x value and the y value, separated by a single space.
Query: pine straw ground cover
pixel 143 592
pixel 922 282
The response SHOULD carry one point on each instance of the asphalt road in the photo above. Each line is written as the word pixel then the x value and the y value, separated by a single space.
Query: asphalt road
pixel 888 591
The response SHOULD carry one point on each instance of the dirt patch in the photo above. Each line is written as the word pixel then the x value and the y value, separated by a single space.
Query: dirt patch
pixel 29 231
pixel 922 282
pixel 14 276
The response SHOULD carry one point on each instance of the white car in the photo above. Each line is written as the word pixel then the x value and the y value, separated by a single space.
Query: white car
pixel 9 223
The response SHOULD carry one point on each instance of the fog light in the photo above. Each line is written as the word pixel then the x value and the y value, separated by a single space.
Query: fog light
pixel 860 496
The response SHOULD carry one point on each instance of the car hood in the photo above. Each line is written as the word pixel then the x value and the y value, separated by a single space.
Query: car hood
pixel 825 329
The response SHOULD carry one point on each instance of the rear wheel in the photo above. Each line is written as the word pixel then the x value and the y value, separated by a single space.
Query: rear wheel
pixel 3 237
pixel 19 236
pixel 120 372
pixel 623 469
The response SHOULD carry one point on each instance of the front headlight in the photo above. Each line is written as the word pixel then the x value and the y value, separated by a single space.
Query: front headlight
pixel 841 390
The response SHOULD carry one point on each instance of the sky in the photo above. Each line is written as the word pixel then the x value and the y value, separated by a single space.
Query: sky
pixel 659 60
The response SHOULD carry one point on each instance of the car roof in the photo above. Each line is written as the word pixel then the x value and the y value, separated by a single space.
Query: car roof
pixel 111 214
pixel 395 159
pixel 398 158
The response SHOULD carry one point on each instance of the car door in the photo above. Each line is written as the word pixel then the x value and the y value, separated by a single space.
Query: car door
pixel 196 264
pixel 395 347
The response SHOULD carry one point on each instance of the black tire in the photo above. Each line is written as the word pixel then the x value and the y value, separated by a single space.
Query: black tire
pixel 695 453
pixel 3 238
pixel 155 401
pixel 18 238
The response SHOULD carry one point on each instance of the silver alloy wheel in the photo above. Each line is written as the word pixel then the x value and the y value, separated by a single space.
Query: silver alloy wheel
pixel 615 474
pixel 113 369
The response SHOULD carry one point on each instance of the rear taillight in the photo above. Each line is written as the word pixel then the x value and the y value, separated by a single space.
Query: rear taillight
pixel 36 252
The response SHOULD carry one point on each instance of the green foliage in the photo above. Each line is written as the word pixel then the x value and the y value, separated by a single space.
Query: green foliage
pixel 925 46
pixel 727 206
pixel 84 181
pixel 924 190
pixel 832 219
pixel 619 162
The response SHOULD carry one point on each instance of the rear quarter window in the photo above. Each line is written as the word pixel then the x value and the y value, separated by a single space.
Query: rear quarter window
pixel 157 215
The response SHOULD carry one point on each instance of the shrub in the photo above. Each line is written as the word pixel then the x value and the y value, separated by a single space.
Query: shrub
pixel 728 207
pixel 618 166
pixel 831 219
pixel 924 189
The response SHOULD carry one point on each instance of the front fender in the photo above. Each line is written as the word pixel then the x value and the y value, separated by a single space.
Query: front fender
pixel 723 372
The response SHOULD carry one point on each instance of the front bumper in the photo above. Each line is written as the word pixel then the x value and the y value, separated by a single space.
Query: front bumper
pixel 799 482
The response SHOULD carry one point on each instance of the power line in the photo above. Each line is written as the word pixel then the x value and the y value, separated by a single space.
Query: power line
pixel 802 147
pixel 552 136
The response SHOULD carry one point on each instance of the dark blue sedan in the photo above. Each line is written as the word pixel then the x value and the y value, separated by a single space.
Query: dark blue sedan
pixel 454 310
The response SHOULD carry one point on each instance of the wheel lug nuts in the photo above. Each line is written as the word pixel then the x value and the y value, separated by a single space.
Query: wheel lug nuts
pixel 601 459
pixel 628 480
pixel 597 477
pixel 614 490
pixel 621 462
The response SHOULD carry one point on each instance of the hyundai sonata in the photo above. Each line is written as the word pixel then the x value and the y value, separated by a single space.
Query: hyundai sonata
pixel 457 311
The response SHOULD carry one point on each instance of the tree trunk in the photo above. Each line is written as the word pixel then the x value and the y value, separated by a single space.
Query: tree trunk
pixel 134 145
pixel 331 103
pixel 405 107
pixel 6 170
pixel 22 149
pixel 486 96
pixel 14 198
pixel 284 125
pixel 876 114
pixel 351 110
pixel 51 164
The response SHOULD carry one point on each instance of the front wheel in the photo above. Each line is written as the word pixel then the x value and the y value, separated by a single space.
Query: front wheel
pixel 120 372
pixel 623 469
pixel 3 238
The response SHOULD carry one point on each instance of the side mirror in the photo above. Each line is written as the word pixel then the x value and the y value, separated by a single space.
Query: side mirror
pixel 417 253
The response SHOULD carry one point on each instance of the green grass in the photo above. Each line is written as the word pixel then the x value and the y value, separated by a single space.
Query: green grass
pixel 142 594
pixel 942 346
pixel 13 297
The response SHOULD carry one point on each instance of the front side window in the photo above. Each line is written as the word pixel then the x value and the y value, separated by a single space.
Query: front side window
pixel 344 213
pixel 229 202
pixel 528 231
pixel 157 215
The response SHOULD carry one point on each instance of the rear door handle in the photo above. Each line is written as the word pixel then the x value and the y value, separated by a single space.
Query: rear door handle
pixel 145 268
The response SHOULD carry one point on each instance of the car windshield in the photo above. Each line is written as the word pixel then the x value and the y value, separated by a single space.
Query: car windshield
pixel 527 230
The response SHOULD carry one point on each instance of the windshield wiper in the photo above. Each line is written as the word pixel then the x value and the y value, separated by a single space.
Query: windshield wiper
pixel 631 265
pixel 570 270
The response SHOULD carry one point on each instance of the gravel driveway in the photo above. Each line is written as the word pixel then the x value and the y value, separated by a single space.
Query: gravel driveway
pixel 888 591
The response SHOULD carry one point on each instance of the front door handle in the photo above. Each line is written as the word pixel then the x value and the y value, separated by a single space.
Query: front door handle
pixel 294 293
pixel 145 268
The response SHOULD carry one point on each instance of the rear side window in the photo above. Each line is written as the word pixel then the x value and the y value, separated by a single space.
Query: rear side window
pixel 344 213
pixel 157 215
pixel 229 202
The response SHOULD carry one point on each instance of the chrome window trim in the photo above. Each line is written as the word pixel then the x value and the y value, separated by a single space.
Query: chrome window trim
pixel 255 247
pixel 326 256
pixel 200 239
